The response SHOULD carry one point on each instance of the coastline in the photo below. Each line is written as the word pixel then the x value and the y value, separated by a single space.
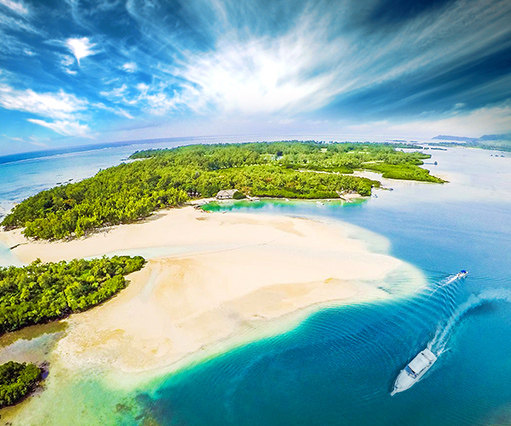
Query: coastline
pixel 229 276
pixel 97 385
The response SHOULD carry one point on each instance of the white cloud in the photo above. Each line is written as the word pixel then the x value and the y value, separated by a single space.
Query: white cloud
pixel 14 138
pixel 262 75
pixel 486 120
pixel 67 60
pixel 17 7
pixel 152 99
pixel 80 47
pixel 15 24
pixel 117 111
pixel 58 105
pixel 130 67
pixel 64 127
pixel 37 142
pixel 61 107
pixel 161 103
pixel 315 60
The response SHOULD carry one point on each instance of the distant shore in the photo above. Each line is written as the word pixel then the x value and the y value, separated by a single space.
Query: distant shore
pixel 229 273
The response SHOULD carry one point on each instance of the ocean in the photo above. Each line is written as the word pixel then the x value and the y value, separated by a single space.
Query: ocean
pixel 338 366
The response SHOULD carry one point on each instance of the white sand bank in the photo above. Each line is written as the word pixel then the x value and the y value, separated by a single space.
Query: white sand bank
pixel 239 272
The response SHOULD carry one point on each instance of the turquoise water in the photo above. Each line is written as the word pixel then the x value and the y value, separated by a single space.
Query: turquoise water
pixel 338 366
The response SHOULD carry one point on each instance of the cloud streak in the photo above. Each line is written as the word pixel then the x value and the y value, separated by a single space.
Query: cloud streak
pixel 290 63
pixel 63 127
pixel 61 107
pixel 17 7
pixel 313 63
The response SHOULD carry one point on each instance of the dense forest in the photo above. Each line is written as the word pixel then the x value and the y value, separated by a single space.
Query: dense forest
pixel 166 178
pixel 41 292
pixel 16 381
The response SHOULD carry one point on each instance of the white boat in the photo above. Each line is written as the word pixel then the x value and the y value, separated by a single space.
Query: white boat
pixel 414 371
pixel 461 274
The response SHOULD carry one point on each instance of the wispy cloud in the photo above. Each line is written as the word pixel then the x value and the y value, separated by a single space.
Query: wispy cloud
pixel 117 111
pixel 154 99
pixel 61 107
pixel 64 127
pixel 80 47
pixel 17 7
pixel 16 24
pixel 486 120
pixel 58 105
pixel 130 67
pixel 254 64
pixel 322 57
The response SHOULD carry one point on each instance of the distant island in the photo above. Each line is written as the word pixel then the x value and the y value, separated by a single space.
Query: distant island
pixel 170 177
pixel 499 142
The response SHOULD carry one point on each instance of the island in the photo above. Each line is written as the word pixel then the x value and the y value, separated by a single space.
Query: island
pixel 17 380
pixel 40 292
pixel 169 178
pixel 212 282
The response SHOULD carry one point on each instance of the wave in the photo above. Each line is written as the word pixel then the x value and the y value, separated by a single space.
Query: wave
pixel 438 344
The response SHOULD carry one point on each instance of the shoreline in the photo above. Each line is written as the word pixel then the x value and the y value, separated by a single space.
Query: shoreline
pixel 231 278
pixel 213 283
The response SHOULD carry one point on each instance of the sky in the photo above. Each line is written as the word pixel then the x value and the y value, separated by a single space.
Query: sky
pixel 75 72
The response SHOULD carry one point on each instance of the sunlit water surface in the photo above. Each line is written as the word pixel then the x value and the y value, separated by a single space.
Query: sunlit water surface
pixel 339 365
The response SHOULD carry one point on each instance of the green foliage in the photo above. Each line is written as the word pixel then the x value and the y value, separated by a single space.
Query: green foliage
pixel 403 171
pixel 41 292
pixel 16 381
pixel 238 195
pixel 169 177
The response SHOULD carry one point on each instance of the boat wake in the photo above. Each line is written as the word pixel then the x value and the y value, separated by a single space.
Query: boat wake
pixel 419 365
pixel 438 344
pixel 455 280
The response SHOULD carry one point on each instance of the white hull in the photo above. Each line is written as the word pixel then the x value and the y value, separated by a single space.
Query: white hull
pixel 458 276
pixel 414 371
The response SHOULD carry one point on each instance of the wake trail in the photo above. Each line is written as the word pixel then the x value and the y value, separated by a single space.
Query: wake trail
pixel 437 345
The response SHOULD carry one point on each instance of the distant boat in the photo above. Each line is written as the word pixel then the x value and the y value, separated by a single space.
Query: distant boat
pixel 462 274
pixel 459 275
pixel 414 371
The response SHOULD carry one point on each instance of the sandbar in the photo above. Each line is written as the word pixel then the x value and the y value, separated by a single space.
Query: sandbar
pixel 227 277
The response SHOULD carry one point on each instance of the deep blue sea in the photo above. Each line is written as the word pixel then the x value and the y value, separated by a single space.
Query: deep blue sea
pixel 339 365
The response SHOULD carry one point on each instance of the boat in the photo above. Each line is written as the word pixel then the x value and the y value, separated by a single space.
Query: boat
pixel 414 371
pixel 459 275
pixel 462 274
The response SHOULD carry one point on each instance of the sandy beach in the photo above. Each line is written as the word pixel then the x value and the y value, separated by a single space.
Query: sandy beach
pixel 231 275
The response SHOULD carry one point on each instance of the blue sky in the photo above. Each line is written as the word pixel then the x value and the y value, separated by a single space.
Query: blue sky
pixel 76 72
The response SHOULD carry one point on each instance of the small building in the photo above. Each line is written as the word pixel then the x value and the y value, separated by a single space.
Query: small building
pixel 226 194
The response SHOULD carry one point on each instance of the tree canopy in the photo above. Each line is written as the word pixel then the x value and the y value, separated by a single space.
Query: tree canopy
pixel 41 292
pixel 16 381
pixel 170 177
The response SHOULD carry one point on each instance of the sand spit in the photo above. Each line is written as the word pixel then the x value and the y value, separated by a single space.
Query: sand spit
pixel 231 274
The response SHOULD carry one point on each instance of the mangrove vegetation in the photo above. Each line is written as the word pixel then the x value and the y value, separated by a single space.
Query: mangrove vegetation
pixel 169 177
pixel 41 292
pixel 17 380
